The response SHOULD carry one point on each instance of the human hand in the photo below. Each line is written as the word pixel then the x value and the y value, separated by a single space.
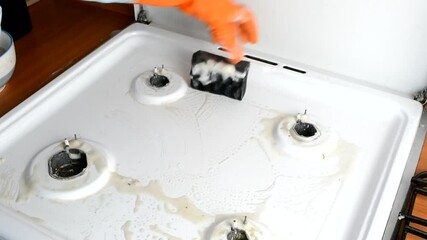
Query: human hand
pixel 228 22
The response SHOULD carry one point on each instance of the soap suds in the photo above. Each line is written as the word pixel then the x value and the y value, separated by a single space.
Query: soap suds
pixel 138 204
pixel 211 67
pixel 127 230
pixel 184 207
pixel 298 202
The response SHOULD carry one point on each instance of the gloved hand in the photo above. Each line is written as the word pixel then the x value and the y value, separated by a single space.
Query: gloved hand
pixel 227 21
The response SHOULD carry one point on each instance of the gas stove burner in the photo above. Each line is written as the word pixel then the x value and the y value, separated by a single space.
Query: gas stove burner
pixel 240 229
pixel 159 80
pixel 306 130
pixel 70 170
pixel 236 233
pixel 68 163
pixel 301 137
pixel 158 86
pixel 303 130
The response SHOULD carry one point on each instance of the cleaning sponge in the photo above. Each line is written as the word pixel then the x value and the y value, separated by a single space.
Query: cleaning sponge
pixel 215 74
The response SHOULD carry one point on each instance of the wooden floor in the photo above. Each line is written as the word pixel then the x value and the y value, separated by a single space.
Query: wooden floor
pixel 63 32
pixel 420 209
pixel 422 165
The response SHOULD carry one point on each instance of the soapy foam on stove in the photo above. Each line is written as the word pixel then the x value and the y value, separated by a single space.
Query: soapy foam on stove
pixel 127 230
pixel 315 193
pixel 182 206
pixel 206 69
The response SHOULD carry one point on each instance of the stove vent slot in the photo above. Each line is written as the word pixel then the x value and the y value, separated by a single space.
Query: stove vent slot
pixel 294 69
pixel 254 58
pixel 268 62
pixel 261 60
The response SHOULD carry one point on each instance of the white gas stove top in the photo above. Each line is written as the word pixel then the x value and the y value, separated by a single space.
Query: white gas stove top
pixel 171 162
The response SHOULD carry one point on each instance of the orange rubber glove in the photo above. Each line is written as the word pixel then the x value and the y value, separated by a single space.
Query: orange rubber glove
pixel 227 21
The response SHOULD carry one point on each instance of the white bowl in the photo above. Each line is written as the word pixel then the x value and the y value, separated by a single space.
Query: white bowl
pixel 7 58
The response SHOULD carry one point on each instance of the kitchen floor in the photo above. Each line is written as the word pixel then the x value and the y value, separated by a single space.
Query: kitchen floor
pixel 64 31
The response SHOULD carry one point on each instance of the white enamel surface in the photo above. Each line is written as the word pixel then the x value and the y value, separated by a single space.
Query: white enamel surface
pixel 182 168
pixel 379 42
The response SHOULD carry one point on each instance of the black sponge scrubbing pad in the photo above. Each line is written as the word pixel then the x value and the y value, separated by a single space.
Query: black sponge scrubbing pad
pixel 215 74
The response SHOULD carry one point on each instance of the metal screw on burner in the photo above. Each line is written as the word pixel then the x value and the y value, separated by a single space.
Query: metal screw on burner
pixel 68 163
pixel 158 79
